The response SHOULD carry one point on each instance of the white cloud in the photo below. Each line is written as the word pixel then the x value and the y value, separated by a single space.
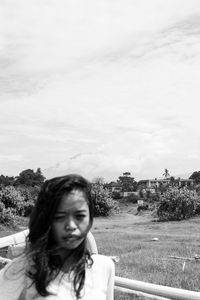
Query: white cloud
pixel 116 82
pixel 11 158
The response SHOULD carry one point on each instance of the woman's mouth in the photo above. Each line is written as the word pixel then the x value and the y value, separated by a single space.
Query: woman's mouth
pixel 70 238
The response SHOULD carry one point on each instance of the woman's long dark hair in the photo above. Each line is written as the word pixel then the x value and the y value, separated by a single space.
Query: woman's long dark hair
pixel 41 250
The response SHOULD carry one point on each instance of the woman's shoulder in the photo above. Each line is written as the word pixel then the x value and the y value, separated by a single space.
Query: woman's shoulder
pixel 12 279
pixel 101 271
pixel 15 267
pixel 102 261
pixel 16 263
pixel 101 258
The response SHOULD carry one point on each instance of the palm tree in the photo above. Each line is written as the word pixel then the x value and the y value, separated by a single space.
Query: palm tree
pixel 166 174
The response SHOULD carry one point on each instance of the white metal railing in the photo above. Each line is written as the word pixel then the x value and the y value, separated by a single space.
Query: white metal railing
pixel 129 285
pixel 154 289
pixel 124 284
pixel 139 294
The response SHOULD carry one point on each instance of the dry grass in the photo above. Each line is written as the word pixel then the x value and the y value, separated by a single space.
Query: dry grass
pixel 130 237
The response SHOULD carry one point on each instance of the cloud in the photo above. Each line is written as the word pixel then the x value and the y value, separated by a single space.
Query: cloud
pixel 75 156
pixel 40 41
pixel 11 158
pixel 112 86
pixel 91 165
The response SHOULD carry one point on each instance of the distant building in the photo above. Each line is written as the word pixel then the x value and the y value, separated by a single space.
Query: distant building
pixel 114 187
pixel 126 194
pixel 186 182
pixel 156 183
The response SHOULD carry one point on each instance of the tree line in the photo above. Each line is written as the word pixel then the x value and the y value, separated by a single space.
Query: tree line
pixel 18 195
pixel 27 177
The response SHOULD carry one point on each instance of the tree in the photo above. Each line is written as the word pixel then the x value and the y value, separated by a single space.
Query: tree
pixel 30 178
pixel 126 174
pixel 173 182
pixel 6 180
pixel 98 180
pixel 166 173
pixel 127 182
pixel 39 177
pixel 196 177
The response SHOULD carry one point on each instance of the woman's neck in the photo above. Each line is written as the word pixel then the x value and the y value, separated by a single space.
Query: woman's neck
pixel 68 261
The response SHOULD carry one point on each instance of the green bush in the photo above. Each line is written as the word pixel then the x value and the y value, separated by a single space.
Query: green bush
pixel 197 211
pixel 177 204
pixel 154 197
pixel 11 198
pixel 17 200
pixel 7 216
pixel 103 202
pixel 132 198
pixel 116 195
pixel 30 195
pixel 103 207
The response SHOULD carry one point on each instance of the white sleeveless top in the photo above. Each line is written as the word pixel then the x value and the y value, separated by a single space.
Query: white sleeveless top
pixel 99 282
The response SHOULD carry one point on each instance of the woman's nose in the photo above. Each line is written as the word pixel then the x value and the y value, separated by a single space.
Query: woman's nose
pixel 70 225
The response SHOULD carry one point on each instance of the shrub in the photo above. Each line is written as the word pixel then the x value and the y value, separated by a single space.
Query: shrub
pixel 133 198
pixel 177 204
pixel 7 216
pixel 197 188
pixel 11 198
pixel 103 207
pixel 154 197
pixel 116 195
pixel 103 203
pixel 20 200
pixel 142 207
pixel 197 210
pixel 30 195
pixel 141 193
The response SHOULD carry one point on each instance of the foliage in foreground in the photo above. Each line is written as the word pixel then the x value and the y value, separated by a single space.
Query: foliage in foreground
pixel 178 204
pixel 103 202
pixel 16 202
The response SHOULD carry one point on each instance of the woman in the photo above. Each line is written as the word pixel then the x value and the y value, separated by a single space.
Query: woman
pixel 56 264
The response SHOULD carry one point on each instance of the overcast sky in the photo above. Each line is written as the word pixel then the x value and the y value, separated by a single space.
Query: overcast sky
pixel 100 87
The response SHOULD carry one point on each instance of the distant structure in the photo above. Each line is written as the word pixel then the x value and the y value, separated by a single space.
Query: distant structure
pixel 151 185
pixel 156 183
pixel 166 174
pixel 115 187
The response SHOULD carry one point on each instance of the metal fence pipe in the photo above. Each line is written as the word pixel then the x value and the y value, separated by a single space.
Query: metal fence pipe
pixel 154 289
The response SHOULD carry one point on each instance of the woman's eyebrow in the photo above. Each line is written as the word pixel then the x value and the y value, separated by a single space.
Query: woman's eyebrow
pixel 60 212
pixel 64 212
pixel 81 210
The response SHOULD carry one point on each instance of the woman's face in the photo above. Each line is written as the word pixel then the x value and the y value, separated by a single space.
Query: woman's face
pixel 71 221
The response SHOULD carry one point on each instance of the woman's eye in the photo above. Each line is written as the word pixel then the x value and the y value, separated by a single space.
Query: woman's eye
pixel 80 216
pixel 59 218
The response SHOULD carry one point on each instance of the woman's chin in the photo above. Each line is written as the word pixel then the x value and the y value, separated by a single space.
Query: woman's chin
pixel 71 244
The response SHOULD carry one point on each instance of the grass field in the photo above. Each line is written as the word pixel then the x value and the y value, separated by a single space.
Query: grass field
pixel 129 236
